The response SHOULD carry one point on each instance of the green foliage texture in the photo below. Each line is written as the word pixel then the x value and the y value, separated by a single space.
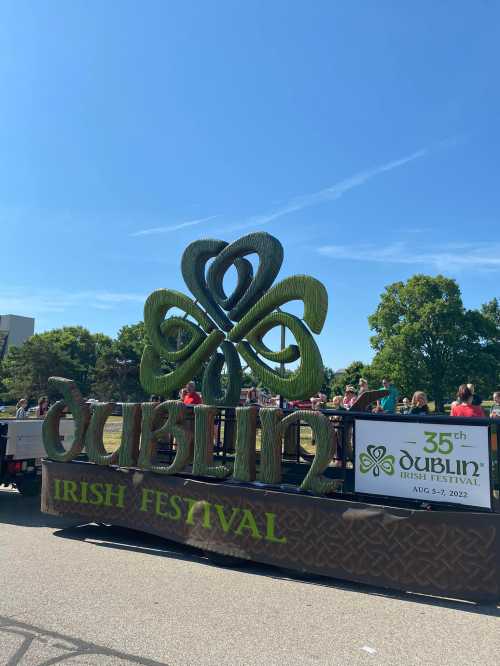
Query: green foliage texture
pixel 244 318
pixel 425 339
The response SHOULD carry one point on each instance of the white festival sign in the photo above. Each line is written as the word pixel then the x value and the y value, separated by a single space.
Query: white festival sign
pixel 423 461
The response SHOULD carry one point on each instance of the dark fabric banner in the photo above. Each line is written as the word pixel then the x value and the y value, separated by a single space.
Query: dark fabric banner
pixel 444 553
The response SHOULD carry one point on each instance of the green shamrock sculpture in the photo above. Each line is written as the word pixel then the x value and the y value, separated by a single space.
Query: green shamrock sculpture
pixel 235 324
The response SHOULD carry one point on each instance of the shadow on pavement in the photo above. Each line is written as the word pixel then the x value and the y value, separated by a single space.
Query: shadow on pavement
pixel 25 511
pixel 107 536
pixel 28 643
pixel 16 509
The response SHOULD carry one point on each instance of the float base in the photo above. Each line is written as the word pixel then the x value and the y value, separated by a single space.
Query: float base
pixel 443 553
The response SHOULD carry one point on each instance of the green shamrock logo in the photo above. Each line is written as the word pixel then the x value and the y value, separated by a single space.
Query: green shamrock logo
pixel 375 459
pixel 234 324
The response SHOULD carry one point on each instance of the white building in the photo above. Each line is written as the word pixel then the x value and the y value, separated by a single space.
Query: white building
pixel 14 330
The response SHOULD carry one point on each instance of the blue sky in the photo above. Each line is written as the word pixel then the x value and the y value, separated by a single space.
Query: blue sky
pixel 364 135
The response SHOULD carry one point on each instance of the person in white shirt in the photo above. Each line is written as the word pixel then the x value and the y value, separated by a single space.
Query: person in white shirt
pixel 495 407
pixel 21 409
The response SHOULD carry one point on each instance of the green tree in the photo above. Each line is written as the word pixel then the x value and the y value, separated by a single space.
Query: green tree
pixel 83 348
pixel 70 352
pixel 26 369
pixel 249 380
pixel 116 377
pixel 116 372
pixel 491 311
pixel 131 339
pixel 426 339
pixel 328 382
pixel 352 375
pixel 481 359
pixel 353 372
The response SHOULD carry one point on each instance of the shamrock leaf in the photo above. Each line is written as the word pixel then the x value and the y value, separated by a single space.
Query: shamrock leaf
pixel 375 458
pixel 198 349
pixel 366 462
pixel 254 305
pixel 387 465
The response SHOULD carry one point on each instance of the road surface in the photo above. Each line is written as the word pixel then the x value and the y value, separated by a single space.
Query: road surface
pixel 98 595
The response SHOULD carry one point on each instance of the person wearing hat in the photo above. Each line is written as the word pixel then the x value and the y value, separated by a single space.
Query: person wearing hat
pixel 349 396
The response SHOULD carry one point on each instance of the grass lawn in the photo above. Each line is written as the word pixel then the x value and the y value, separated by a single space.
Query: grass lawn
pixel 112 435
pixel 9 413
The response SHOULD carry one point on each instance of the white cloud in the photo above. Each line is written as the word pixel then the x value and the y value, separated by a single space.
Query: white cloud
pixel 449 257
pixel 33 302
pixel 113 297
pixel 173 227
pixel 329 193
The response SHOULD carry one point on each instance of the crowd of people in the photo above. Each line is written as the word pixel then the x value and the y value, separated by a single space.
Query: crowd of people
pixel 42 408
pixel 467 402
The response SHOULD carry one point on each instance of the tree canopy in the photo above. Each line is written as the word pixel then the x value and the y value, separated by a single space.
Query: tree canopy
pixel 70 352
pixel 116 372
pixel 425 339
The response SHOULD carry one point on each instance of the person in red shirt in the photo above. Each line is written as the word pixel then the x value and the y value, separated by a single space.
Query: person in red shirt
pixel 191 397
pixel 464 406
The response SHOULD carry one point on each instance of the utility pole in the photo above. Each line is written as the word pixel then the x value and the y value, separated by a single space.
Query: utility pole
pixel 282 364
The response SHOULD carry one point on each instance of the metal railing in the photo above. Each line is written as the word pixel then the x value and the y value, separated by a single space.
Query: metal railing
pixel 298 448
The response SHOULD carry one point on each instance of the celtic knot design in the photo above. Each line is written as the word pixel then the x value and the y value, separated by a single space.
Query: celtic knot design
pixel 234 324
pixel 375 459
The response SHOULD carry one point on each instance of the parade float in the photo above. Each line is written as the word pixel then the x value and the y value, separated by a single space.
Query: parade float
pixel 405 503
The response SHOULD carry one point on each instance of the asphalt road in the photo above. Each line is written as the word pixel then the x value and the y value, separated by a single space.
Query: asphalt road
pixel 98 595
